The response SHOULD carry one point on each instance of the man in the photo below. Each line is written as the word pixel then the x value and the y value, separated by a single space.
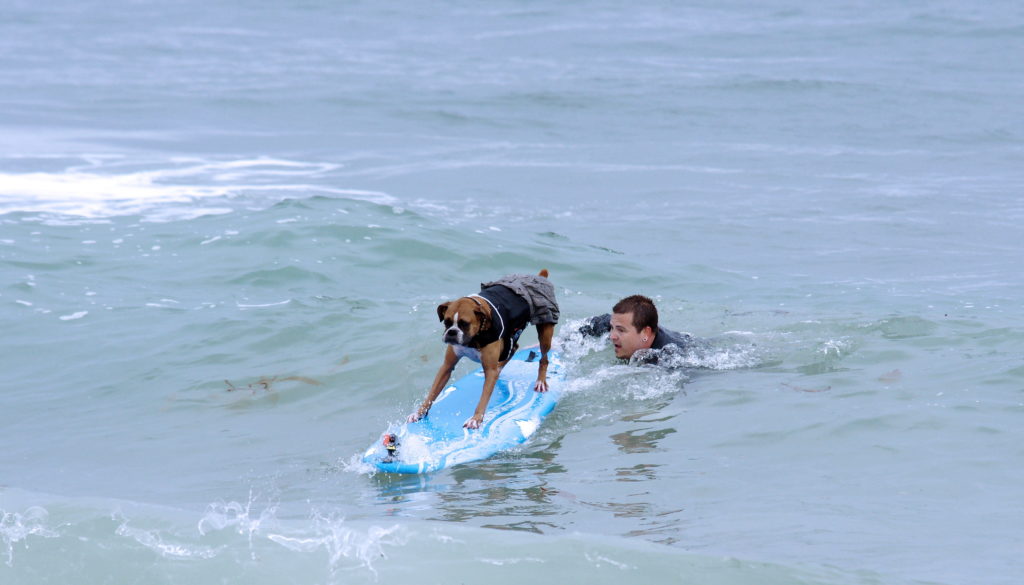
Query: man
pixel 633 326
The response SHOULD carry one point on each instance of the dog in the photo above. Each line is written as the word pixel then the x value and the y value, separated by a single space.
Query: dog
pixel 485 327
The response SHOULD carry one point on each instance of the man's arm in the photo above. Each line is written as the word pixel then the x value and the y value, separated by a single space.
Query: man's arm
pixel 597 326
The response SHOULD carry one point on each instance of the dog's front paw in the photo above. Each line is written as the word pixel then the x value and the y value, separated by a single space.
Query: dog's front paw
pixel 474 423
pixel 541 385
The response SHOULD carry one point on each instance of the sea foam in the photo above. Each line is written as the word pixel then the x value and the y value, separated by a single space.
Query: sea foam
pixel 177 189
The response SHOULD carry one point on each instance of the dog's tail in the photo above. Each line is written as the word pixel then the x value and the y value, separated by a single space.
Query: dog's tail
pixel 544 272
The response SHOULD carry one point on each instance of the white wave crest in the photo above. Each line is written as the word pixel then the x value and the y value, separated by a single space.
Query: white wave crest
pixel 177 189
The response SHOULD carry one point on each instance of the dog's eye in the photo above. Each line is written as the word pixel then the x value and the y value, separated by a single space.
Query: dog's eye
pixel 448 323
pixel 463 324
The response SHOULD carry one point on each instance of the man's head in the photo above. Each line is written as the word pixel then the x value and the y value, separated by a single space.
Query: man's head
pixel 634 325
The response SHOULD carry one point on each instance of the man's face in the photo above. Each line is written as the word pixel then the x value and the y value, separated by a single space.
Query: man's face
pixel 626 338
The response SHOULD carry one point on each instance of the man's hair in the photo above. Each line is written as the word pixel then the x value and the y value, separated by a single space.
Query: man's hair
pixel 645 314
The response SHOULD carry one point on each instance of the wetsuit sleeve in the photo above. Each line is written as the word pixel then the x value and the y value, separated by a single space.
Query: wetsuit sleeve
pixel 597 326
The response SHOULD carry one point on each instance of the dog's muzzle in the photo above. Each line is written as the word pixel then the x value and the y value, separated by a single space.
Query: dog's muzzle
pixel 453 335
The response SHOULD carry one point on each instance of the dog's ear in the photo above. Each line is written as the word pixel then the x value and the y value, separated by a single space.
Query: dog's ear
pixel 485 321
pixel 441 310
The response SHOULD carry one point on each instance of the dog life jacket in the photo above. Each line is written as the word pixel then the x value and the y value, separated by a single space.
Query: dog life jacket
pixel 510 314
pixel 536 290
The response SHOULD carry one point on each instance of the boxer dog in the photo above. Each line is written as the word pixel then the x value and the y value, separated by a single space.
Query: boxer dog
pixel 485 327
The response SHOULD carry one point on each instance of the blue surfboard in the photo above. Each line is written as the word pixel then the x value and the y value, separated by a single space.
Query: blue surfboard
pixel 439 440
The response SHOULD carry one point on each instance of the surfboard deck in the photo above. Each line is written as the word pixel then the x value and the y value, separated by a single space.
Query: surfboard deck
pixel 439 440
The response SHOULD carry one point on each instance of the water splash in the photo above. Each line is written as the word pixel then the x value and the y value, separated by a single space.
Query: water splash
pixel 342 542
pixel 573 345
pixel 347 547
pixel 729 351
pixel 16 527
pixel 238 517
pixel 152 540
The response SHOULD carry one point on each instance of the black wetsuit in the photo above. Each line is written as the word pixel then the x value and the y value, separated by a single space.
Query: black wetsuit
pixel 601 324
pixel 512 316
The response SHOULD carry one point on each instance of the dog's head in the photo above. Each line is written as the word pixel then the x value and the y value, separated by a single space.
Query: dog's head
pixel 463 320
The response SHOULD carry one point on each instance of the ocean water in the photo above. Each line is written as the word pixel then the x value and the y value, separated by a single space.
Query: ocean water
pixel 224 228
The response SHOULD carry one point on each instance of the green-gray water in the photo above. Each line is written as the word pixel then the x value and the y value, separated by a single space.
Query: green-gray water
pixel 224 229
